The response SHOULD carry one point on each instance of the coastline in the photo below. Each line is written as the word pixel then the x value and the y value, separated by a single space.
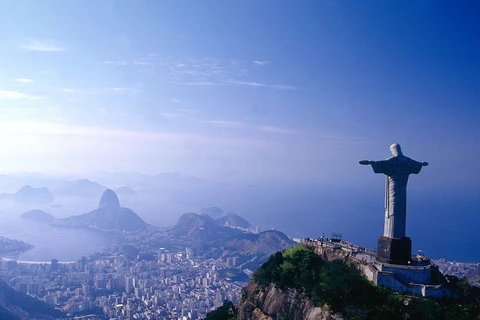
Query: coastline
pixel 35 262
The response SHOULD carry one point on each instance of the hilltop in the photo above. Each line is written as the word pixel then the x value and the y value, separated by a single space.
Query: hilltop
pixel 298 284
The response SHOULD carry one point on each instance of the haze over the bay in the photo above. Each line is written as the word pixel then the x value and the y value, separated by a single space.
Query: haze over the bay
pixel 271 104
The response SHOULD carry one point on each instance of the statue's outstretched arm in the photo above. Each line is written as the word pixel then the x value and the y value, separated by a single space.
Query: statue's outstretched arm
pixel 365 162
pixel 424 164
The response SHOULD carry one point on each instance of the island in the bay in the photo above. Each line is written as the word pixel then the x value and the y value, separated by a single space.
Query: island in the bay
pixel 108 216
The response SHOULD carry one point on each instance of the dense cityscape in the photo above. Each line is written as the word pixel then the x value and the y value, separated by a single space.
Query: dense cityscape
pixel 156 284
pixel 169 285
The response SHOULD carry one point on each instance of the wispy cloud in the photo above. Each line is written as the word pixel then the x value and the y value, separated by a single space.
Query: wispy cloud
pixel 70 90
pixel 116 89
pixel 60 129
pixel 258 84
pixel 188 111
pixel 23 80
pixel 274 129
pixel 282 87
pixel 17 95
pixel 246 83
pixel 240 124
pixel 43 46
pixel 260 62
pixel 108 90
pixel 199 83
pixel 171 115
pixel 223 123
pixel 189 71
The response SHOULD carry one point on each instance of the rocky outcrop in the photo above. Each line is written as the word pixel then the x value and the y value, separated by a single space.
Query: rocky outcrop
pixel 109 201
pixel 108 216
pixel 272 303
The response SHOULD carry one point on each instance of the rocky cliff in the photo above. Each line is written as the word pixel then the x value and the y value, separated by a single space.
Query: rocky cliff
pixel 272 303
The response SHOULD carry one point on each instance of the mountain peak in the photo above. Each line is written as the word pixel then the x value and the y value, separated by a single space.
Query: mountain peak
pixel 30 194
pixel 25 188
pixel 108 216
pixel 109 200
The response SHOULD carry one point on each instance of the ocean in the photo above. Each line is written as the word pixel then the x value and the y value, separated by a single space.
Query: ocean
pixel 441 224
pixel 63 244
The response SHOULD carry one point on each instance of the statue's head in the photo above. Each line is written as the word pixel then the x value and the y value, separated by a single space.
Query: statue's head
pixel 396 150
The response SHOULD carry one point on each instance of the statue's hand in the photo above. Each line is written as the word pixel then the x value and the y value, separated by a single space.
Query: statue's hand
pixel 424 164
pixel 364 162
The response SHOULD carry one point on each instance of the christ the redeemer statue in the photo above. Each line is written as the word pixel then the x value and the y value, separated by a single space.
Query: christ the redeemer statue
pixel 397 169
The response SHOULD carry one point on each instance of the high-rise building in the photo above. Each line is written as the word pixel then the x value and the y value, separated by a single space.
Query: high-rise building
pixel 128 285
pixel 54 265
pixel 163 273
pixel 84 264
pixel 86 289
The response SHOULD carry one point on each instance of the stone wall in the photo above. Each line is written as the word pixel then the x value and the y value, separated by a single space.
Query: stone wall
pixel 415 274
pixel 391 281
pixel 413 279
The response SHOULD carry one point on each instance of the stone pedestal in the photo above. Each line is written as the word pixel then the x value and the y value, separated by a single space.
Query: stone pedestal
pixel 394 250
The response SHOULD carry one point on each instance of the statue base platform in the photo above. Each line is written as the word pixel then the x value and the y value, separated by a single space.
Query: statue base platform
pixel 394 250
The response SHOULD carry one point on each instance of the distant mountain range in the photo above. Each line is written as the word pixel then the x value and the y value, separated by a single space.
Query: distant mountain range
pixel 130 183
pixel 27 194
pixel 108 216
pixel 125 191
pixel 81 188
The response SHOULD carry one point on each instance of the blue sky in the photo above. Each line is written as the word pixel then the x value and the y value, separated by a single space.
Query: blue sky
pixel 240 90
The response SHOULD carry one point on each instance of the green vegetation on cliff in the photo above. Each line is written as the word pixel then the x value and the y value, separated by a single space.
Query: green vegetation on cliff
pixel 341 287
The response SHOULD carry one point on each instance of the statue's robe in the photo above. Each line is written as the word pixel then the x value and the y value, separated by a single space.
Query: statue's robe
pixel 397 169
